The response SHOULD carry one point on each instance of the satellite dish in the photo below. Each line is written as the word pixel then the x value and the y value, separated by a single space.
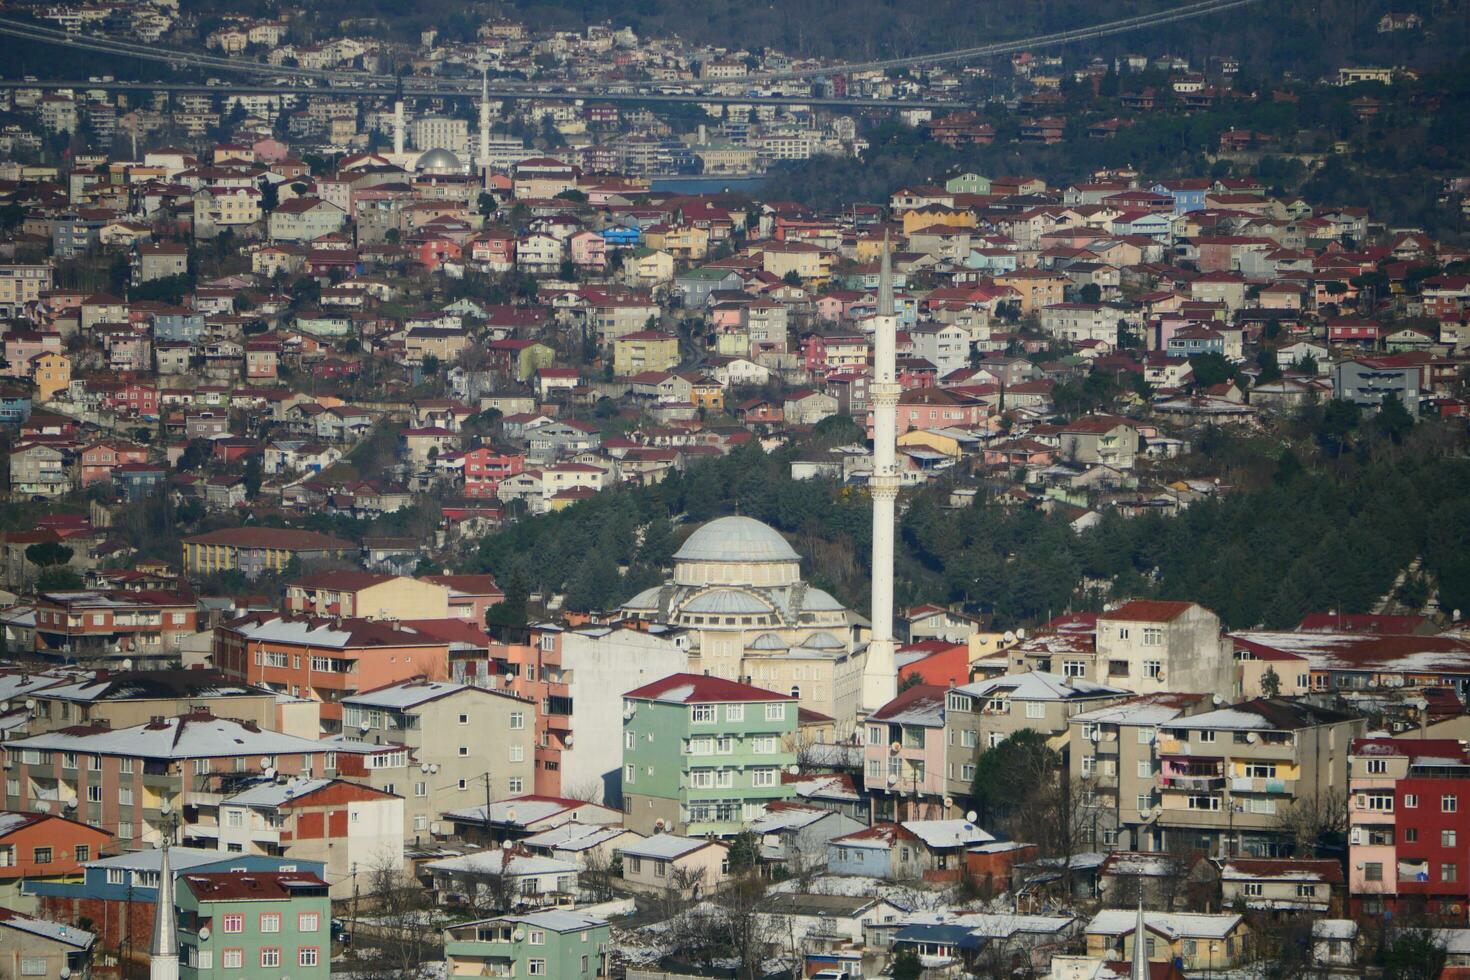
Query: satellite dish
pixel 628 712
pixel 518 935
pixel 364 725
pixel 424 767
pixel 1216 700
pixel 204 932
pixel 895 748
pixel 265 765
pixel 1010 637
pixel 270 773
pixel 1250 737
pixel 127 663
pixel 971 816
pixel 165 809
pixel 1096 735
pixel 436 828
pixel 43 807
pixel 892 778
pixel 1020 634
pixel 793 769
pixel 506 845
pixel 158 843
pixel 948 802
pixel 65 973
pixel 659 824
pixel 433 767
pixel 568 740
pixel 510 816
pixel 30 703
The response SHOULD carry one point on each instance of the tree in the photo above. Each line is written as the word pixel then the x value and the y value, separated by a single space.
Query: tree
pixel 792 278
pixel 404 937
pixel 1270 370
pixel 1306 364
pixel 1211 369
pixel 1393 420
pixel 1316 821
pixel 195 455
pixel 430 366
pixel 1090 293
pixel 1413 954
pixel 1339 420
pixel 906 964
pixel 254 474
pixel 745 852
pixel 58 578
pixel 1006 774
pixel 909 680
pixel 1271 683
pixel 48 553
pixel 487 205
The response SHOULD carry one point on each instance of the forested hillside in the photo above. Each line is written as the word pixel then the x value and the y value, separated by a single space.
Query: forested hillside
pixel 1330 532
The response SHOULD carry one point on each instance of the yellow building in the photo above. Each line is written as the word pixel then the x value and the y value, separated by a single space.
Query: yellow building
pixel 1037 288
pixel 707 393
pixel 936 214
pixel 51 372
pixel 258 550
pixel 367 595
pixel 931 439
pixel 646 350
pixel 1199 942
pixel 680 241
pixel 807 261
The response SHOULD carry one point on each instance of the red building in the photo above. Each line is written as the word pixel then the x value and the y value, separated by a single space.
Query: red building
pixel 43 845
pixel 485 467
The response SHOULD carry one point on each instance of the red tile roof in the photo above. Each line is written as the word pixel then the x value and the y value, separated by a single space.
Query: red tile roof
pixel 699 689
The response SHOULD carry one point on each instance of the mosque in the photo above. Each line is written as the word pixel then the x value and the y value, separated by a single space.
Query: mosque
pixel 738 593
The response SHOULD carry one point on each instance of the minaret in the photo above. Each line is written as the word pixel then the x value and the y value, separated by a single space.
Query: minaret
pixel 484 161
pixel 398 131
pixel 164 956
pixel 880 674
pixel 1140 943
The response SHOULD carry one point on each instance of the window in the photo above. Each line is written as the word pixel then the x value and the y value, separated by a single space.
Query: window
pixel 734 712
pixel 1204 803
pixel 1449 804
pixel 775 712
pixel 1254 889
pixel 1446 838
pixel 538 937
pixel 234 922
pixel 1145 769
pixel 1306 891
pixel 1153 636
pixel 1089 765
pixel 630 740
pixel 84 852
pixel 628 773
pixel 464 784
pixel 1411 801
pixel 1206 736
pixel 517 720
pixel 232 959
pixel 307 956
pixel 464 751
pixel 125 796
pixel 270 922
pixel 1037 709
pixel 1373 871
pixel 464 719
pixel 635 865
pixel 660 869
pixel 763 777
pixel 1261 770
pixel 1145 736
pixel 94 793
pixel 765 745
pixel 43 855
pixel 992 739
pixel 1449 871
pixel 585 963
pixel 704 714
pixel 270 956
pixel 1377 767
pixel 1411 836
pixel 1153 669
pixel 234 818
pixel 536 968
pixel 1074 668
pixel 125 766
pixel 68 760
pixel 515 785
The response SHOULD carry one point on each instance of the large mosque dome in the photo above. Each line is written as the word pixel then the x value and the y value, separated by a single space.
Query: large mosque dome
pixel 439 161
pixel 736 539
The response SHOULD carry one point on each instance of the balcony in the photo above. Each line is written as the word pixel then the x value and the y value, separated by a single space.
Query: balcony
pixel 1247 784
pixel 1192 783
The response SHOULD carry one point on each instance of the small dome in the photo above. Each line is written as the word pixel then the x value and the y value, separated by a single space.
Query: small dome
pixel 769 641
pixel 823 641
pixel 440 159
pixel 816 600
pixel 736 540
pixel 725 602
pixel 647 599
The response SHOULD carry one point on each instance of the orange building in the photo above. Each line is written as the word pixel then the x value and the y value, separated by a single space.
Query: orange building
pixel 43 847
pixel 326 660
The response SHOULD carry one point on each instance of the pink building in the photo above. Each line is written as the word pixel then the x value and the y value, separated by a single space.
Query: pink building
pixel 903 755
pixel 589 250
pixel 22 345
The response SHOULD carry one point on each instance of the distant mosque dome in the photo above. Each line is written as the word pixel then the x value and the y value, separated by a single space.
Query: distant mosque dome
pixel 736 539
pixel 439 161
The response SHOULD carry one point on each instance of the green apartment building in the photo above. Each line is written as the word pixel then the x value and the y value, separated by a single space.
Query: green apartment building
pixel 566 945
pixel 257 925
pixel 703 755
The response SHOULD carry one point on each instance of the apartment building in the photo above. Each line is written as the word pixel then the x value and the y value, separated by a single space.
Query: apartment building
pixel 1227 775
pixel 1113 751
pixel 21 285
pixel 540 944
pixel 1146 646
pixel 132 778
pixel 255 550
pixel 904 755
pixel 459 736
pixel 1408 850
pixel 105 626
pixel 254 924
pixel 326 660
pixel 981 715
pixel 344 825
pixel 578 677
pixel 351 594
pixel 121 699
pixel 703 755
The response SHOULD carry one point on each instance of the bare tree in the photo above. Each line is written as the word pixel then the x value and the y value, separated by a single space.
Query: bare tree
pixel 1310 818
pixel 399 938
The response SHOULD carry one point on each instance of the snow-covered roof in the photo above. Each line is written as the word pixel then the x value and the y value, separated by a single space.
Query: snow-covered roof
pixel 405 695
pixel 574 837
pixel 1120 922
pixel 502 862
pixel 947 833
pixel 786 816
pixel 70 935
pixel 1038 685
pixel 1149 709
pixel 185 737
pixel 272 794
pixel 1334 929
pixel 664 847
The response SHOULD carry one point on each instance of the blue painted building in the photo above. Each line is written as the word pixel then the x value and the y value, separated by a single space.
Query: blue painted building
pixel 15 407
pixel 622 236
pixel 1188 195
pixel 133 876
pixel 183 325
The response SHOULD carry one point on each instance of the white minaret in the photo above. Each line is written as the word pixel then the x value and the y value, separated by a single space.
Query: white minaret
pixel 484 161
pixel 398 126
pixel 164 956
pixel 880 674
pixel 1140 942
